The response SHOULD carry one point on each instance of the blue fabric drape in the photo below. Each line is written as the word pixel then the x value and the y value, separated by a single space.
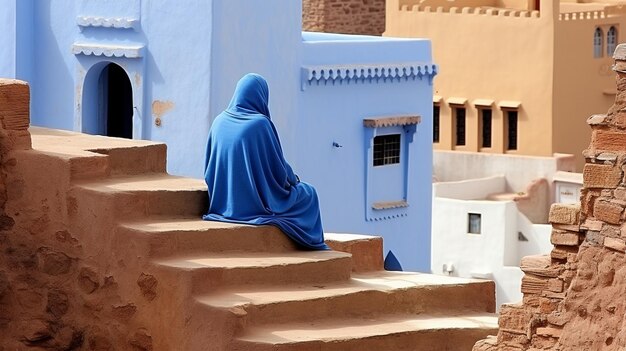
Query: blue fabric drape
pixel 248 179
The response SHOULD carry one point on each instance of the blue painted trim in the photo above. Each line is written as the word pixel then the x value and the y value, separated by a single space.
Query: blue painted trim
pixel 117 23
pixel 128 51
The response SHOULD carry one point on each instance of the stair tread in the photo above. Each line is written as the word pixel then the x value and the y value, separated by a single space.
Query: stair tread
pixel 384 281
pixel 146 182
pixel 355 328
pixel 168 225
pixel 231 260
pixel 63 141
pixel 346 237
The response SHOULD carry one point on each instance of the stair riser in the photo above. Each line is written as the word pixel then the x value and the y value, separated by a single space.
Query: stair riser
pixel 139 204
pixel 251 239
pixel 419 300
pixel 205 280
pixel 89 167
pixel 367 255
pixel 136 160
pixel 431 340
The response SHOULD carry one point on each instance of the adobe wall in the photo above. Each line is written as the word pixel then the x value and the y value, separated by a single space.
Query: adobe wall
pixel 574 298
pixel 344 16
pixel 52 293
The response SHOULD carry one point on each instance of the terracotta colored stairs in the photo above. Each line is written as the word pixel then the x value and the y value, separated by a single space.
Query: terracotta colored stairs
pixel 218 286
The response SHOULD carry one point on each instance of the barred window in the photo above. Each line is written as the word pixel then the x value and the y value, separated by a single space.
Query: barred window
pixel 474 223
pixel 611 41
pixel 436 123
pixel 597 43
pixel 511 129
pixel 386 149
pixel 486 127
pixel 459 113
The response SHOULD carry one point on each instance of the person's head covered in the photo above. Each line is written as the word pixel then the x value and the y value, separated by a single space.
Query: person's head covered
pixel 251 96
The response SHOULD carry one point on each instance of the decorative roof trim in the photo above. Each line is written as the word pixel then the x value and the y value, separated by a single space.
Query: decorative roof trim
pixel 483 102
pixel 509 104
pixel 354 73
pixel 391 121
pixel 106 22
pixel 128 51
pixel 456 101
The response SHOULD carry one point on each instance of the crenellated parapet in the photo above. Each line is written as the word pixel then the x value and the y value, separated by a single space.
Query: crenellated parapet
pixel 480 11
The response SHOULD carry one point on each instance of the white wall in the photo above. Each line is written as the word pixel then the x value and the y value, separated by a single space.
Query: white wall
pixel 518 170
pixel 495 253
pixel 471 189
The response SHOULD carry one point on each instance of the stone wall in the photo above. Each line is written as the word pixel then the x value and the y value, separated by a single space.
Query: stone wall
pixel 575 298
pixel 344 16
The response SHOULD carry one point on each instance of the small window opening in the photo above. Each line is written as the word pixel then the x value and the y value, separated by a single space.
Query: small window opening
pixel 511 129
pixel 597 43
pixel 386 149
pixel 611 41
pixel 486 127
pixel 473 223
pixel 435 123
pixel 459 113
pixel 521 237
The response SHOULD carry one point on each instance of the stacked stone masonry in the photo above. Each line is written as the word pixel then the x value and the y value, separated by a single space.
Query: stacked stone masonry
pixel 344 16
pixel 575 298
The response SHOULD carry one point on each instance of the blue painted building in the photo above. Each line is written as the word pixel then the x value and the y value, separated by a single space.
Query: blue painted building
pixel 353 112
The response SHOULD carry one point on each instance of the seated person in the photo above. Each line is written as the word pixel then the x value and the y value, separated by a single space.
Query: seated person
pixel 248 179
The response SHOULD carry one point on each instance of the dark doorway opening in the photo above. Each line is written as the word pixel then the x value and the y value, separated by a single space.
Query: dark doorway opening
pixel 116 102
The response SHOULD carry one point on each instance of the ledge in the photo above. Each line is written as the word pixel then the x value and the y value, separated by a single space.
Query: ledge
pixel 510 104
pixel 129 51
pixel 456 101
pixel 387 72
pixel 483 102
pixel 391 121
pixel 118 23
pixel 389 205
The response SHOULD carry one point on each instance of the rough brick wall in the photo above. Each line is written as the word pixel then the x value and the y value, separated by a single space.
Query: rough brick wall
pixel 575 299
pixel 344 16
pixel 51 297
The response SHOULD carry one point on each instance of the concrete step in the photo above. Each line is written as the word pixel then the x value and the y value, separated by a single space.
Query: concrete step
pixel 366 250
pixel 92 156
pixel 167 236
pixel 216 270
pixel 394 332
pixel 133 197
pixel 365 294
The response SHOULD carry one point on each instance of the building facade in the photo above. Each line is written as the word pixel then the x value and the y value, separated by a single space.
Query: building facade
pixel 353 113
pixel 515 74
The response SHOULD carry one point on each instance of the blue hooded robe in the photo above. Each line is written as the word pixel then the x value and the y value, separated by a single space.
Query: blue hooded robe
pixel 248 179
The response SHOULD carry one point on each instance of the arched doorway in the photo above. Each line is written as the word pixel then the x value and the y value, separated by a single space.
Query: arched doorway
pixel 115 102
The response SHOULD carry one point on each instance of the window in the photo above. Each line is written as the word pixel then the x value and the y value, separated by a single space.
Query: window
pixel 459 115
pixel 473 223
pixel 435 123
pixel 597 43
pixel 386 149
pixel 511 129
pixel 486 126
pixel 611 41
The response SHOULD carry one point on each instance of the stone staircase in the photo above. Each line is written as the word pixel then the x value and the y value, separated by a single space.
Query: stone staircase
pixel 219 286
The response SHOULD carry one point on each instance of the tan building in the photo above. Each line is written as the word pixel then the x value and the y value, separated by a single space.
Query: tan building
pixel 516 76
